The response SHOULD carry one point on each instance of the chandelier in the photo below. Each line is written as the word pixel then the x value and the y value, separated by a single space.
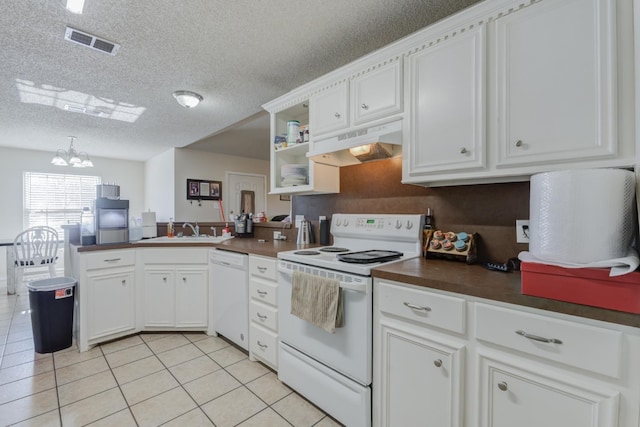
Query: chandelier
pixel 72 157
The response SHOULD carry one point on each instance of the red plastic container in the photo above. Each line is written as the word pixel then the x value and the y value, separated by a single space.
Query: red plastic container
pixel 587 286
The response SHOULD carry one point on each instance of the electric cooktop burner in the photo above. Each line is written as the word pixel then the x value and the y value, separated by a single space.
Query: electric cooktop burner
pixel 307 253
pixel 334 249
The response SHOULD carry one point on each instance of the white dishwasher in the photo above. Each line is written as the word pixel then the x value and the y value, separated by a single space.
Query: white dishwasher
pixel 230 291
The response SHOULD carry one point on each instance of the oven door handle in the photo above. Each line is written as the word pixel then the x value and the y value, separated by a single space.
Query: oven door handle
pixel 364 288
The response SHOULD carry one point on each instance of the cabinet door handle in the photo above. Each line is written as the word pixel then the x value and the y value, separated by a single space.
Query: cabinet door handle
pixel 262 346
pixel 261 317
pixel 164 279
pixel 261 293
pixel 124 282
pixel 503 386
pixel 364 106
pixel 184 279
pixel 262 269
pixel 337 115
pixel 463 150
pixel 417 307
pixel 438 363
pixel 518 143
pixel 112 260
pixel 539 338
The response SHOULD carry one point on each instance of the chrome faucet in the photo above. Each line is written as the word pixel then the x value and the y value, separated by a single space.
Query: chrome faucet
pixel 196 229
pixel 215 233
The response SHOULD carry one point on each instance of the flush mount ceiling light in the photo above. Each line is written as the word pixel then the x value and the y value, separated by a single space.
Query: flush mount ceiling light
pixel 75 6
pixel 72 157
pixel 186 98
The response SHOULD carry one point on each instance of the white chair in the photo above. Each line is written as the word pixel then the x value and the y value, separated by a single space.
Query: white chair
pixel 36 247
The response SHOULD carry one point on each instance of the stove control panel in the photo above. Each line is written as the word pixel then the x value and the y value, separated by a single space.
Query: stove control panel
pixel 383 225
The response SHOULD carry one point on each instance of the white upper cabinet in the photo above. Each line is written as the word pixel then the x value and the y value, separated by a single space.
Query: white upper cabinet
pixel 507 89
pixel 329 109
pixel 446 104
pixel 377 93
pixel 555 82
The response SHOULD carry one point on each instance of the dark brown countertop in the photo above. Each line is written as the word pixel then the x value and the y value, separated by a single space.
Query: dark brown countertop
pixel 451 276
pixel 243 245
pixel 479 282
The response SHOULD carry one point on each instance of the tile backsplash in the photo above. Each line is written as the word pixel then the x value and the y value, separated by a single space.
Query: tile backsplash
pixel 490 210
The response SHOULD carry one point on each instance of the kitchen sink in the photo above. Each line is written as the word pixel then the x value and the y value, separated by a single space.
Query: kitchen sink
pixel 186 239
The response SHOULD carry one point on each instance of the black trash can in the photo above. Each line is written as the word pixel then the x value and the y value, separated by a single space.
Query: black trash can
pixel 51 302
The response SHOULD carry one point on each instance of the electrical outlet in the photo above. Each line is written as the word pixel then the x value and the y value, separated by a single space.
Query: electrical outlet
pixel 522 231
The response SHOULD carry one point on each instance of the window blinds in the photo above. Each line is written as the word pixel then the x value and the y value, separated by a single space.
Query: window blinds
pixel 56 199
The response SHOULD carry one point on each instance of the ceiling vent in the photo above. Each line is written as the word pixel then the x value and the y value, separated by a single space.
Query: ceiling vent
pixel 91 41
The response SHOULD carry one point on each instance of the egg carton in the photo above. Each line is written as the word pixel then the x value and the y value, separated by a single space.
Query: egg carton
pixel 460 246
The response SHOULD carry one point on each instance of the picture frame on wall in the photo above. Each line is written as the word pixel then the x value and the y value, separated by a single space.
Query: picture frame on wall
pixel 203 189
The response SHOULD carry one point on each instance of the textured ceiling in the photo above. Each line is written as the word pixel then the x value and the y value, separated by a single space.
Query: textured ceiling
pixel 236 54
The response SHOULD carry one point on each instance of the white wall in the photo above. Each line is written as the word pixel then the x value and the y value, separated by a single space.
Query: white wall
pixel 159 185
pixel 195 164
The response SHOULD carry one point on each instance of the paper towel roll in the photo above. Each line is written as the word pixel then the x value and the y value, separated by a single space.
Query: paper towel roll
pixel 149 226
pixel 149 219
pixel 582 216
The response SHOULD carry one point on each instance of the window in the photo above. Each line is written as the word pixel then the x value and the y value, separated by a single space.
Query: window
pixel 56 199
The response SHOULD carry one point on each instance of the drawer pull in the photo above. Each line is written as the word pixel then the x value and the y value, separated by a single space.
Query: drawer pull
pixel 438 363
pixel 539 338
pixel 503 386
pixel 260 316
pixel 337 115
pixel 124 282
pixel 262 269
pixel 417 307
pixel 261 293
pixel 112 260
pixel 518 143
pixel 364 106
pixel 262 346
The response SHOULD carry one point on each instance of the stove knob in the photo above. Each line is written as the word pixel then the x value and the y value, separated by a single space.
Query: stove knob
pixel 409 225
pixel 398 223
pixel 338 222
pixel 346 222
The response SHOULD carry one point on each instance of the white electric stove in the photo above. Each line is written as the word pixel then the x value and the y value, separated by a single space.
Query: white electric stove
pixel 362 242
pixel 334 370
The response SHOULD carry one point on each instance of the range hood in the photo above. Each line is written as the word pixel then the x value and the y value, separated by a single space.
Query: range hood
pixel 386 141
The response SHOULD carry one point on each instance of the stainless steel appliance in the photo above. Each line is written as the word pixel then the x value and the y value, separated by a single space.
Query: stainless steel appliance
pixel 108 191
pixel 334 370
pixel 112 221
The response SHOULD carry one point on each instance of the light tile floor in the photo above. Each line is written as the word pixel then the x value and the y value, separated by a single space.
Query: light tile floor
pixel 149 379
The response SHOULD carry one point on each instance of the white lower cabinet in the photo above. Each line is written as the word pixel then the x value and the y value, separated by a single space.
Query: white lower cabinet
pixel 106 292
pixel 418 372
pixel 516 396
pixel 510 366
pixel 175 288
pixel 263 310
pixel 111 302
pixel 421 378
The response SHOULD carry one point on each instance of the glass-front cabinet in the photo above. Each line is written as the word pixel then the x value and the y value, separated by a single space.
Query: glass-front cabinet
pixel 292 172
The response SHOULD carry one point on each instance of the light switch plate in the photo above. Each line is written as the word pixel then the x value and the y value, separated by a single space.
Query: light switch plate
pixel 522 231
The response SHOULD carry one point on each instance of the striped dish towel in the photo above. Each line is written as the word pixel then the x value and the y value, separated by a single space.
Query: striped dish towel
pixel 317 300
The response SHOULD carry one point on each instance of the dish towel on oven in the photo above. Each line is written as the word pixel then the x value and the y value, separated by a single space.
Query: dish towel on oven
pixel 318 300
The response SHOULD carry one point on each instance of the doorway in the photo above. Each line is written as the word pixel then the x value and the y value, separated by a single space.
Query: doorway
pixel 246 191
